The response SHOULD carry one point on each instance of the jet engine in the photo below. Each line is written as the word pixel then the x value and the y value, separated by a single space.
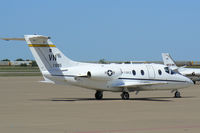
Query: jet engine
pixel 104 74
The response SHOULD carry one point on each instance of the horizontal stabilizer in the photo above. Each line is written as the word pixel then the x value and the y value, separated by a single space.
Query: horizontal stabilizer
pixel 16 39
pixel 81 76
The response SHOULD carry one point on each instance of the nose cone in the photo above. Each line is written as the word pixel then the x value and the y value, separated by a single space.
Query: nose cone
pixel 187 80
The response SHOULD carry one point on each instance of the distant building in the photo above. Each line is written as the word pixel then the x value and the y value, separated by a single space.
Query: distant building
pixel 15 63
pixel 18 63
pixel 4 63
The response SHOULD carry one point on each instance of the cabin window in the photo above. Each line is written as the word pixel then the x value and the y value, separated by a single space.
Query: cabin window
pixel 134 72
pixel 142 72
pixel 159 72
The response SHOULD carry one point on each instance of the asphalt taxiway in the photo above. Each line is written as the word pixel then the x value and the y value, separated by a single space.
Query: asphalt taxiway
pixel 28 106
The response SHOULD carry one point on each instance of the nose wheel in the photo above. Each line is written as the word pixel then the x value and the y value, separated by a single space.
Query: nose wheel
pixel 99 95
pixel 177 94
pixel 125 95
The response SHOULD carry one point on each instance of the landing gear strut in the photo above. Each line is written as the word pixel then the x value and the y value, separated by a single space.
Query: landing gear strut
pixel 125 95
pixel 177 94
pixel 99 95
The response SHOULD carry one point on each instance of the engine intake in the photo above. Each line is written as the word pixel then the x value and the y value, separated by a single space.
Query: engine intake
pixel 104 74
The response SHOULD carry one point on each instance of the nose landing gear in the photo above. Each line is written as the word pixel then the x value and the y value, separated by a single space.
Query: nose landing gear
pixel 125 95
pixel 177 94
pixel 99 95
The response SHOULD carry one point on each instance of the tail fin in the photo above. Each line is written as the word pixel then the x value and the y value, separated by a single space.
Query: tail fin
pixel 50 60
pixel 47 56
pixel 168 61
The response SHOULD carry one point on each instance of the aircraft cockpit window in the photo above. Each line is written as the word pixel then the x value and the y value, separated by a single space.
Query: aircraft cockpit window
pixel 142 72
pixel 166 69
pixel 173 72
pixel 134 72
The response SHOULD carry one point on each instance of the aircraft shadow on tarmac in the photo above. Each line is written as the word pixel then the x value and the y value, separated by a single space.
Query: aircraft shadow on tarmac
pixel 110 99
pixel 156 99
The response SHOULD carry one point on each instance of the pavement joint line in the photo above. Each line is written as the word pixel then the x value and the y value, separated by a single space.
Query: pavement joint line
pixel 143 129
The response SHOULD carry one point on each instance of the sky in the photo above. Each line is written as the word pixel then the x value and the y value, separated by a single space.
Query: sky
pixel 114 30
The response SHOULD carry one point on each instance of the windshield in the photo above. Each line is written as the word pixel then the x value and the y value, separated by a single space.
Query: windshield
pixel 173 72
pixel 167 70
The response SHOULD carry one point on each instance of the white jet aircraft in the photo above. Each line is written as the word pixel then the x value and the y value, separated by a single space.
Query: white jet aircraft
pixel 58 69
pixel 192 73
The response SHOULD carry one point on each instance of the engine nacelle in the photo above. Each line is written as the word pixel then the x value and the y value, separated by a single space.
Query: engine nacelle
pixel 104 74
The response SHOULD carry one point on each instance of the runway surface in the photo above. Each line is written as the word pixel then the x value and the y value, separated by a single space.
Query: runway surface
pixel 27 106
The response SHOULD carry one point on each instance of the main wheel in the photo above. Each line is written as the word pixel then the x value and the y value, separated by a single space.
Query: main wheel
pixel 177 94
pixel 99 95
pixel 125 95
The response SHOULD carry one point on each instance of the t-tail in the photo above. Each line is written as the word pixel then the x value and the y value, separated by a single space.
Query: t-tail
pixel 47 56
pixel 50 59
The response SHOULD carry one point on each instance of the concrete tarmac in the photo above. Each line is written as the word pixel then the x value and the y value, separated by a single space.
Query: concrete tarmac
pixel 27 106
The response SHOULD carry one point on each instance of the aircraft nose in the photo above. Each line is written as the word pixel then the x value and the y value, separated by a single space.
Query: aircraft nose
pixel 188 80
pixel 191 82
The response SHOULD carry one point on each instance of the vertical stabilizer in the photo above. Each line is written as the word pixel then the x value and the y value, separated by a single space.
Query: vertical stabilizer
pixel 47 56
pixel 168 61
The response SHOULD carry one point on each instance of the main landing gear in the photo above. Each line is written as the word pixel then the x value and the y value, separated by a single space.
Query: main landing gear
pixel 99 95
pixel 177 94
pixel 125 95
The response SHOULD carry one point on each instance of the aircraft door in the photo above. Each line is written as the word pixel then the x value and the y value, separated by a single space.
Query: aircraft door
pixel 151 71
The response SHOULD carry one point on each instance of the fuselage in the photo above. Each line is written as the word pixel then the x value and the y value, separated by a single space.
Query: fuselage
pixel 107 77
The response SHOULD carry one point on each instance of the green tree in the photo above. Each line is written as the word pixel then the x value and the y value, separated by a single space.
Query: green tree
pixel 5 60
pixel 23 64
pixel 34 63
pixel 102 61
pixel 19 59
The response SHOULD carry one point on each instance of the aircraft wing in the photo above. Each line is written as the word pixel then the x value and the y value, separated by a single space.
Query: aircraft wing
pixel 177 69
pixel 136 84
